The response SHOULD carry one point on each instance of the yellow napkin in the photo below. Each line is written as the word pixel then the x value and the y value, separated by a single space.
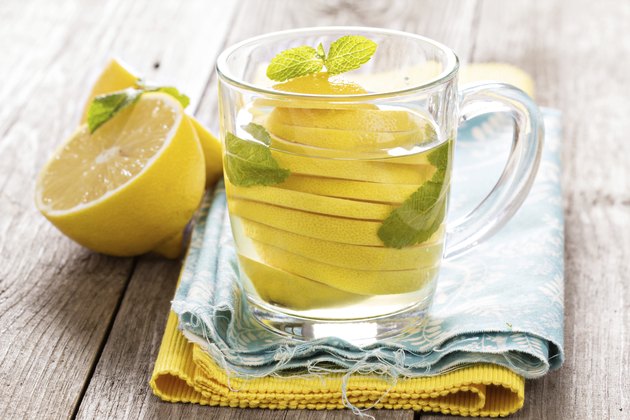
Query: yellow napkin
pixel 185 373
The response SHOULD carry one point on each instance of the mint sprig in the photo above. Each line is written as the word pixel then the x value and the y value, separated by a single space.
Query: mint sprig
pixel 104 107
pixel 347 53
pixel 250 162
pixel 422 214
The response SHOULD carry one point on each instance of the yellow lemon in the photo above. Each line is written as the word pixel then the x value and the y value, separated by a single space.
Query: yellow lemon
pixel 312 203
pixel 359 170
pixel 336 229
pixel 132 185
pixel 345 188
pixel 316 84
pixel 320 83
pixel 346 255
pixel 336 139
pixel 117 76
pixel 289 290
pixel 371 120
pixel 212 151
pixel 282 145
pixel 363 282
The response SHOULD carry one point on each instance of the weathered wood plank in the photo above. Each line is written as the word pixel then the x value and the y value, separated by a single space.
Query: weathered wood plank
pixel 119 387
pixel 575 52
pixel 252 18
pixel 57 300
pixel 34 36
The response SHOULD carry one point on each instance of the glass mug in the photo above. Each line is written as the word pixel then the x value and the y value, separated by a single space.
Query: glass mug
pixel 337 186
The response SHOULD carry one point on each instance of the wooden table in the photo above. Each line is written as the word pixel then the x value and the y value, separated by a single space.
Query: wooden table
pixel 79 331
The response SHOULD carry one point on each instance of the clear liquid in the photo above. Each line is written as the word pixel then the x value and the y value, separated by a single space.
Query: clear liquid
pixel 309 247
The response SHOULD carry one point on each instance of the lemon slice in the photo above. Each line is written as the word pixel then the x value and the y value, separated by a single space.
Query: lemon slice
pixel 344 188
pixel 349 140
pixel 316 84
pixel 347 255
pixel 320 83
pixel 295 292
pixel 117 76
pixel 312 203
pixel 362 282
pixel 282 145
pixel 370 120
pixel 320 226
pixel 370 171
pixel 132 185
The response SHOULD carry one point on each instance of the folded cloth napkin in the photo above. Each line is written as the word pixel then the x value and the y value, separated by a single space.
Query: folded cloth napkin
pixel 497 315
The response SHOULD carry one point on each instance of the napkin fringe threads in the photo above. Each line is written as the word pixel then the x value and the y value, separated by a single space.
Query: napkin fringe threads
pixel 189 373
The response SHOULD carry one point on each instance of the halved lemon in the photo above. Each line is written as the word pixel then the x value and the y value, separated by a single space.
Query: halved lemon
pixel 132 185
pixel 117 76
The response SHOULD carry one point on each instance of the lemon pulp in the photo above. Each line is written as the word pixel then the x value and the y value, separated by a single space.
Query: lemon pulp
pixel 93 165
pixel 118 76
pixel 132 185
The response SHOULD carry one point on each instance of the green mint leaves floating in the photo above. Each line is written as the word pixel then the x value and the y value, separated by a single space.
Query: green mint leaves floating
pixel 347 53
pixel 104 107
pixel 422 214
pixel 250 163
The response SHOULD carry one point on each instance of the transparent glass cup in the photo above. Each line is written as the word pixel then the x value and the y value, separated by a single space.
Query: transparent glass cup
pixel 338 186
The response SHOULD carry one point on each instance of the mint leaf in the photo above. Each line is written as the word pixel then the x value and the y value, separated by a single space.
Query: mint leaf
pixel 259 133
pixel 169 90
pixel 422 214
pixel 104 107
pixel 250 162
pixel 349 53
pixel 294 62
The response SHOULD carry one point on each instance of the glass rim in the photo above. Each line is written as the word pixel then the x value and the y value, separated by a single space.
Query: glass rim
pixel 450 69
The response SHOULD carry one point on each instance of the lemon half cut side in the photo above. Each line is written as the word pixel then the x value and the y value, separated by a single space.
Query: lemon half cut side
pixel 130 186
pixel 118 76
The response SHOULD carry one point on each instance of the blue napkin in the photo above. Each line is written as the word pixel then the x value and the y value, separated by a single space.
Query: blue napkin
pixel 501 303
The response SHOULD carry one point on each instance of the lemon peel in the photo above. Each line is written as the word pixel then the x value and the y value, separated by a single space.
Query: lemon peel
pixel 129 187
pixel 346 255
pixel 291 291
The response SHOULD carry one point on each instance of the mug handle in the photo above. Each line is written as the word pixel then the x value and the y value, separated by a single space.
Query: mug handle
pixel 520 170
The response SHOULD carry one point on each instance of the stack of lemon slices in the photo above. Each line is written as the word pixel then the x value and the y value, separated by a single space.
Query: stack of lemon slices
pixel 131 186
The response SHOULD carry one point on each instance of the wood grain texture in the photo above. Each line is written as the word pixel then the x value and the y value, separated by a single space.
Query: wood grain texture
pixel 57 300
pixel 577 53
